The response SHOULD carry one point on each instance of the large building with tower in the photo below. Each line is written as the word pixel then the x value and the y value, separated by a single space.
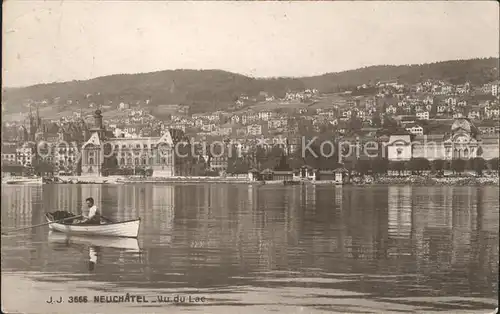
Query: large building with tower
pixel 461 140
pixel 156 153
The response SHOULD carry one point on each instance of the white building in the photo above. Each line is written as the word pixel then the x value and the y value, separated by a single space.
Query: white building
pixel 265 115
pixel 399 148
pixel 494 89
pixel 9 154
pixel 235 119
pixel 474 114
pixel 415 129
pixel 25 155
pixel 254 129
pixel 391 109
pixel 123 106
pixel 423 115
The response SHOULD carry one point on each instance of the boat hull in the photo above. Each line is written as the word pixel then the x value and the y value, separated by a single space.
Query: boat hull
pixel 127 244
pixel 126 229
pixel 24 181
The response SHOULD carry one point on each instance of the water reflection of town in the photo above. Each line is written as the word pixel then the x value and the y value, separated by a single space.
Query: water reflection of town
pixel 213 232
pixel 18 205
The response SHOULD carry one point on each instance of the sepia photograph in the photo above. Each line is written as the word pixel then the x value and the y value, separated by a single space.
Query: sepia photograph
pixel 250 157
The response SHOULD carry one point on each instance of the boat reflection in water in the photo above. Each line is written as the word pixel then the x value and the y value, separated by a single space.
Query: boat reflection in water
pixel 60 240
pixel 127 244
pixel 93 257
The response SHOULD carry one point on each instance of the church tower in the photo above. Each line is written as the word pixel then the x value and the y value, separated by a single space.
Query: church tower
pixel 92 154
pixel 31 126
pixel 98 125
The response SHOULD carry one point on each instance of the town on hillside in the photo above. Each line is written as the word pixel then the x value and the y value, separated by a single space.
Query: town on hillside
pixel 431 126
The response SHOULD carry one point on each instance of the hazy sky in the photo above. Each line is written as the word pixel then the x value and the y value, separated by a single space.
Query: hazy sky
pixel 47 41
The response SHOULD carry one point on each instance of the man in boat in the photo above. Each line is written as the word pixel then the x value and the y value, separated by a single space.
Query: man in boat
pixel 94 217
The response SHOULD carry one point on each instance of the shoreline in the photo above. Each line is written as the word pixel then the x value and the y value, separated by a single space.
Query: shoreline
pixel 433 181
pixel 357 181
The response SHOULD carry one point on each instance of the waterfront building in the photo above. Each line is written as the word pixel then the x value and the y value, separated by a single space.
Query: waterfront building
pixel 66 156
pixel 156 153
pixel 9 154
pixel 26 154
pixel 399 148
pixel 463 140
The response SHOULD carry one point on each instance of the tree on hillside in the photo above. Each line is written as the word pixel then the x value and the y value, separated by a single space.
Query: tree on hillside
pixel 389 123
pixel 237 166
pixel 43 167
pixel 310 156
pixel 15 169
pixel 110 162
pixel 380 166
pixel 283 164
pixel 272 157
pixel 398 166
pixel 260 156
pixel 478 164
pixel 493 163
pixel 109 165
pixel 458 165
pixel 376 121
pixel 418 165
pixel 363 166
pixel 295 162
pixel 479 151
pixel 438 165
pixel 355 123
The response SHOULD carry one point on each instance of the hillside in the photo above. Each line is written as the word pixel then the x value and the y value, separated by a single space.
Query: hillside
pixel 209 90
pixel 477 71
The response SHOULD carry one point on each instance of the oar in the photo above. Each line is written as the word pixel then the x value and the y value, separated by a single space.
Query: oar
pixel 39 225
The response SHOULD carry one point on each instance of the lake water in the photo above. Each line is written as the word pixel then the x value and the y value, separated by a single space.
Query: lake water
pixel 257 249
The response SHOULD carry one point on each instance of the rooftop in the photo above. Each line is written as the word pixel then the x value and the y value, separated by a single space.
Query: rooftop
pixel 8 149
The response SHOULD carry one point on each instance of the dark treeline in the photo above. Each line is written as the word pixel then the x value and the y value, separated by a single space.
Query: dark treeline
pixel 356 162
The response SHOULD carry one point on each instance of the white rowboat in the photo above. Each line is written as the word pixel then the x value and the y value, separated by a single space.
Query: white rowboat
pixel 127 244
pixel 22 181
pixel 127 229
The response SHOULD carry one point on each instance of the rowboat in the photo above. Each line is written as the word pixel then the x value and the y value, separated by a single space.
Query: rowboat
pixel 126 229
pixel 126 244
pixel 23 181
